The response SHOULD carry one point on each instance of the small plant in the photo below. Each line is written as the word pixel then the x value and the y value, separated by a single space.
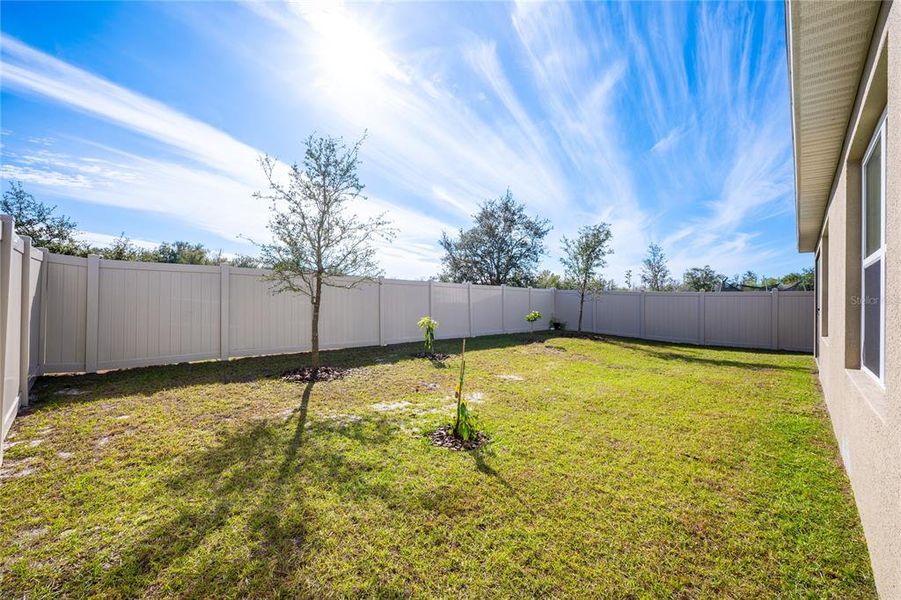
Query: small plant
pixel 464 428
pixel 533 316
pixel 428 326
pixel 556 324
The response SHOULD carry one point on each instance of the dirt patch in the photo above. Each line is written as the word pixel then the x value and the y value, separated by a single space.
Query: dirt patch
pixel 554 348
pixel 443 438
pixel 432 356
pixel 309 374
pixel 511 377
pixel 426 386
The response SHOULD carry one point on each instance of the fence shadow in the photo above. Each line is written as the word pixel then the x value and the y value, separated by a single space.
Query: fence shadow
pixel 53 390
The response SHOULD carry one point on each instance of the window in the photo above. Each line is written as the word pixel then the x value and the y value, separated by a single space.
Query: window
pixel 872 347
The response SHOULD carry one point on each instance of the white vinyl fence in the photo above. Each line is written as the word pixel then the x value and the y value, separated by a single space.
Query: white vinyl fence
pixel 70 314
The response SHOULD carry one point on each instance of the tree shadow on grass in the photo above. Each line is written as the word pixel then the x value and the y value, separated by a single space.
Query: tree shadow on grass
pixel 235 519
pixel 479 456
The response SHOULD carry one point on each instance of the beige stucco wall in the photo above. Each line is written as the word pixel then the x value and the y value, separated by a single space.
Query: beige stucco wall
pixel 866 418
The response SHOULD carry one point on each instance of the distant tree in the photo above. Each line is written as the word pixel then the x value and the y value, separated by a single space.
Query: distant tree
pixel 503 247
pixel 316 238
pixel 585 256
pixel 701 279
pixel 806 277
pixel 748 278
pixel 246 262
pixel 56 233
pixel 655 272
pixel 628 280
pixel 120 248
pixel 547 279
pixel 184 253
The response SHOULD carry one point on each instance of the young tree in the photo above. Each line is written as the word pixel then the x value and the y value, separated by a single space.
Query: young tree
pixel 702 279
pixel 629 279
pixel 316 238
pixel 547 279
pixel 655 273
pixel 503 247
pixel 584 256
pixel 36 220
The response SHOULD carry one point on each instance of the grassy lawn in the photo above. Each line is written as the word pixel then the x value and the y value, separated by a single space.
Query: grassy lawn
pixel 616 468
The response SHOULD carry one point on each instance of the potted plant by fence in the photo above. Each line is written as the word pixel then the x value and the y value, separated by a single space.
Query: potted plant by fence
pixel 317 241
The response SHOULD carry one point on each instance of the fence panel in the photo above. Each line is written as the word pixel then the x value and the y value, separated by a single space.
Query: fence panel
pixel 672 317
pixel 740 319
pixel 487 310
pixel 156 313
pixel 543 302
pixel 619 313
pixel 450 307
pixel 349 316
pixel 261 322
pixel 67 284
pixel 516 307
pixel 403 303
pixel 795 321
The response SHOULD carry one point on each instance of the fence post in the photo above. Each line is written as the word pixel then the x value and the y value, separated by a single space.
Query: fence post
pixel 469 304
pixel 92 318
pixel 503 308
pixel 774 337
pixel 702 318
pixel 7 237
pixel 641 328
pixel 224 311
pixel 381 335
pixel 25 327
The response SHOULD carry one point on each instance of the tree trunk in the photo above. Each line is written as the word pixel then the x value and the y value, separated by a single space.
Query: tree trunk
pixel 317 301
pixel 581 304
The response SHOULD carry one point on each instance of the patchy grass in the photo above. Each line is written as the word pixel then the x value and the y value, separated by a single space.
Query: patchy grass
pixel 616 468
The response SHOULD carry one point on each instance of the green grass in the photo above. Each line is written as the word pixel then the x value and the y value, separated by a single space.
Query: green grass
pixel 616 468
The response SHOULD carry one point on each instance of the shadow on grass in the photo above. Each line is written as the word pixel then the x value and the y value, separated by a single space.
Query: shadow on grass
pixel 146 381
pixel 479 456
pixel 690 354
pixel 235 519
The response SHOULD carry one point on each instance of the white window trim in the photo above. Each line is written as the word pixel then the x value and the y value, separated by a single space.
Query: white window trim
pixel 879 253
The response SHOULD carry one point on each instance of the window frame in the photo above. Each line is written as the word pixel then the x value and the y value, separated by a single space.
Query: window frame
pixel 879 138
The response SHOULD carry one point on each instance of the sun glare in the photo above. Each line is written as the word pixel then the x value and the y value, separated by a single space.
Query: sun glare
pixel 348 53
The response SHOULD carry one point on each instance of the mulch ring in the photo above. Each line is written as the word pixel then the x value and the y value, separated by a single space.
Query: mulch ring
pixel 444 438
pixel 309 374
pixel 433 356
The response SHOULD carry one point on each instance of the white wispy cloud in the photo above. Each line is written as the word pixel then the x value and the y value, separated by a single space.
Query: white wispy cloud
pixel 212 190
pixel 587 117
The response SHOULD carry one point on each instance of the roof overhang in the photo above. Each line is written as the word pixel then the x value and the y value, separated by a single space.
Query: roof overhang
pixel 827 45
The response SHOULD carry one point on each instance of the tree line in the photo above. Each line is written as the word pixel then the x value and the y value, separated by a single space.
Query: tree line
pixel 59 234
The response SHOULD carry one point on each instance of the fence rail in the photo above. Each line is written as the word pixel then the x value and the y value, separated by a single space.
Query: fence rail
pixel 64 314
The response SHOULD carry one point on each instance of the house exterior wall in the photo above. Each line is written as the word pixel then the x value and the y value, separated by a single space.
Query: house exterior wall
pixel 867 418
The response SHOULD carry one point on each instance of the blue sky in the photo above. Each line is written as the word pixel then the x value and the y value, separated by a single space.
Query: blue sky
pixel 668 120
